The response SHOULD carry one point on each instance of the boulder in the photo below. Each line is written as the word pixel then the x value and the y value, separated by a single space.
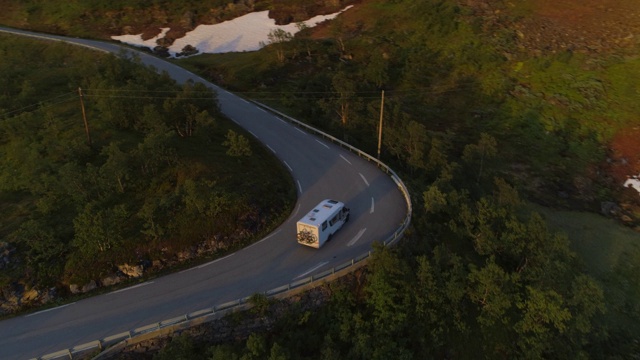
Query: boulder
pixel 30 295
pixel 157 264
pixel 110 280
pixel 90 286
pixel 10 298
pixel 134 271
pixel 609 208
pixel 185 255
pixel 48 295
pixel 77 289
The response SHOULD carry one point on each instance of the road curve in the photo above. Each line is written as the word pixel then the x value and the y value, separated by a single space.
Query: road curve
pixel 320 170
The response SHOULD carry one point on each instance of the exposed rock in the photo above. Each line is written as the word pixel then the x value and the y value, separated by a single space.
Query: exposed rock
pixel 609 208
pixel 77 289
pixel 48 295
pixel 15 296
pixel 110 280
pixel 11 298
pixel 188 50
pixel 134 271
pixel 90 286
pixel 185 255
pixel 161 51
pixel 30 295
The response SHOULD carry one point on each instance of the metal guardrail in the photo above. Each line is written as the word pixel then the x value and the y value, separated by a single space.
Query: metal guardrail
pixel 199 316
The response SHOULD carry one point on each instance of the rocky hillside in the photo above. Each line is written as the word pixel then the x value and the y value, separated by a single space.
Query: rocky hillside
pixel 589 26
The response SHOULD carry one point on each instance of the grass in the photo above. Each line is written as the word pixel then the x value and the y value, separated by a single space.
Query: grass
pixel 237 71
pixel 609 252
pixel 600 242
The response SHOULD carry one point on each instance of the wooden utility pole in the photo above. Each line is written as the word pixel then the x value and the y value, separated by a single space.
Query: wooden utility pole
pixel 84 116
pixel 380 126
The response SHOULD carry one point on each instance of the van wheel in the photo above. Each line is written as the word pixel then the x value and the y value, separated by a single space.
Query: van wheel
pixel 347 218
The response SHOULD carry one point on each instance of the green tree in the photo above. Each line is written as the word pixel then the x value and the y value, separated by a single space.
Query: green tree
pixel 440 294
pixel 116 166
pixel 151 213
pixel 277 39
pixel 415 143
pixel 181 347
pixel 223 352
pixel 586 300
pixel 377 70
pixel 278 353
pixel 155 152
pixel 206 205
pixel 237 144
pixel 544 317
pixel 345 89
pixel 73 184
pixel 476 155
pixel 190 109
pixel 99 229
pixel 627 289
pixel 388 333
pixel 387 287
pixel 256 348
pixel 303 43
pixel 151 120
pixel 491 288
pixel 43 251
pixel 329 350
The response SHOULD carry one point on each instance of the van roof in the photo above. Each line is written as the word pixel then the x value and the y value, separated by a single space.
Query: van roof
pixel 322 212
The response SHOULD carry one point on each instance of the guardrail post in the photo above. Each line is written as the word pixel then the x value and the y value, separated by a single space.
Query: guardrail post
pixel 70 354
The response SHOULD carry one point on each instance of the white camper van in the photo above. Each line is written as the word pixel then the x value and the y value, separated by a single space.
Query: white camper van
pixel 315 228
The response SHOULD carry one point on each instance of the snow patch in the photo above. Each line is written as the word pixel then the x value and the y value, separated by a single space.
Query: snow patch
pixel 245 33
pixel 633 182
pixel 137 39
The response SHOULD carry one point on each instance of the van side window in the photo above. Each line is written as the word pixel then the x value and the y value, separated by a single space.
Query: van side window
pixel 324 225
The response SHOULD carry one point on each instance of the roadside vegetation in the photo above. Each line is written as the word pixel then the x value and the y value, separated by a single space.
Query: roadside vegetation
pixel 479 128
pixel 509 154
pixel 161 173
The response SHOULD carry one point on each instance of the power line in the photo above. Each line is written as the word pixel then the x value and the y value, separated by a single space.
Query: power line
pixel 88 95
pixel 271 96
pixel 40 105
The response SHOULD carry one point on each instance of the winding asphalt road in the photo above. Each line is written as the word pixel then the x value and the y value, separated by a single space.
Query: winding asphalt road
pixel 320 170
